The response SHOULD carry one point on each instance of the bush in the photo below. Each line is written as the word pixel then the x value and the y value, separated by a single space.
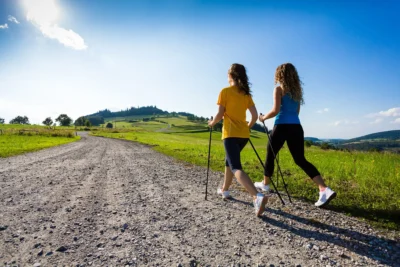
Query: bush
pixel 109 125
pixel 308 143
pixel 326 146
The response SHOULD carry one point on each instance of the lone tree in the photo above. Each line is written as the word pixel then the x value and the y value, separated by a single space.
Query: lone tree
pixel 1 121
pixel 48 121
pixel 64 120
pixel 20 120
pixel 109 125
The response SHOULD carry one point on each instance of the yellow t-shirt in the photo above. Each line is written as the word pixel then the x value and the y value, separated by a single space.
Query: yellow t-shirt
pixel 236 104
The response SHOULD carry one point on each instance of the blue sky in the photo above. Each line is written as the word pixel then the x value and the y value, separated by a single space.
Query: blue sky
pixel 78 57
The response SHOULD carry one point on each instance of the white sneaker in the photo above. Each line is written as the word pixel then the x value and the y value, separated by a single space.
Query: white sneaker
pixel 259 204
pixel 325 197
pixel 224 194
pixel 262 186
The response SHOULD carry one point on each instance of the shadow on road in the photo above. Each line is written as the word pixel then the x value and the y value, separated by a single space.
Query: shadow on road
pixel 365 245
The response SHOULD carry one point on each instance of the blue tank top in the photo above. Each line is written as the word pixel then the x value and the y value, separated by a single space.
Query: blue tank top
pixel 288 111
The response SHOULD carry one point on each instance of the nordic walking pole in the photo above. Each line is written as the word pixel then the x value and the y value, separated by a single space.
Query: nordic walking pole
pixel 277 174
pixel 273 153
pixel 208 163
pixel 262 164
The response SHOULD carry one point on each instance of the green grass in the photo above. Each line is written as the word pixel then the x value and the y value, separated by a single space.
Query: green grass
pixel 178 121
pixel 368 184
pixel 133 117
pixel 19 139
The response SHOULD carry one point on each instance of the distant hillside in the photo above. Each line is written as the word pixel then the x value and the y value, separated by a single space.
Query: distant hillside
pixel 382 141
pixel 149 110
pixel 102 116
pixel 312 139
pixel 388 135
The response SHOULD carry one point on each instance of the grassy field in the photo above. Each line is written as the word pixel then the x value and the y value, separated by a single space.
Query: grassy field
pixel 19 139
pixel 134 117
pixel 368 184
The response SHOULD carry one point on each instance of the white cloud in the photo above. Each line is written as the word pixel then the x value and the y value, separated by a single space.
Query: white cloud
pixel 67 37
pixel 323 110
pixel 344 122
pixel 392 112
pixel 396 121
pixel 376 121
pixel 43 14
pixel 13 19
pixel 4 26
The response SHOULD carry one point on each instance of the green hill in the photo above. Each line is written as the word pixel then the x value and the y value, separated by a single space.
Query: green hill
pixel 388 135
pixel 382 141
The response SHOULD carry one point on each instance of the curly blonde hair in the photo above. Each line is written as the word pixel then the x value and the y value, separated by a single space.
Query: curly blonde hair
pixel 286 74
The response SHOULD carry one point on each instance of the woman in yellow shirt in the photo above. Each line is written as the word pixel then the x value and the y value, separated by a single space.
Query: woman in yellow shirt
pixel 233 102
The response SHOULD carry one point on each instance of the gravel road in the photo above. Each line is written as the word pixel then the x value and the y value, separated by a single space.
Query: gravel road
pixel 105 202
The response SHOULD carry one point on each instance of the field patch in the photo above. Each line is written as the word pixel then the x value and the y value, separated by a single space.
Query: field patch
pixel 19 139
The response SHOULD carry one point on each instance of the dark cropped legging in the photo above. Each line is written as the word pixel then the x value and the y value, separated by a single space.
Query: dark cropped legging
pixel 294 136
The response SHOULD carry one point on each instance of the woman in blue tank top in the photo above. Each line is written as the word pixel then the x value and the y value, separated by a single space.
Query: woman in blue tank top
pixel 287 100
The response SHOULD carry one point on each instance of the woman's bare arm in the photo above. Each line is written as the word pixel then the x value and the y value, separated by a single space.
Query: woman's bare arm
pixel 253 111
pixel 218 116
pixel 276 107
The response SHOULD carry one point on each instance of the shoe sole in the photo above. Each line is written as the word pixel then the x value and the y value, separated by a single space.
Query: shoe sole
pixel 328 200
pixel 262 207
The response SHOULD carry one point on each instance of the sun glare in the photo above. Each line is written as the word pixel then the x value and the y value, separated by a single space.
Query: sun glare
pixel 42 12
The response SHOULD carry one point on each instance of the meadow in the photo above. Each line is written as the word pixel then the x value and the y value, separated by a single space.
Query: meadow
pixel 367 183
pixel 18 139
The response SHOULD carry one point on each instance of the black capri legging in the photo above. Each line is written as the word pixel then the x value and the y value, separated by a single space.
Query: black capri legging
pixel 293 134
pixel 233 146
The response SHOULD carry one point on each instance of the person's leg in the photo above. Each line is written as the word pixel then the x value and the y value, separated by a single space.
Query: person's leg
pixel 233 147
pixel 241 143
pixel 228 177
pixel 296 146
pixel 277 138
pixel 245 181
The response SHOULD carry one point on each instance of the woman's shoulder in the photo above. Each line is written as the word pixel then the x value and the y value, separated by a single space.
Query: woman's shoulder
pixel 279 90
pixel 229 88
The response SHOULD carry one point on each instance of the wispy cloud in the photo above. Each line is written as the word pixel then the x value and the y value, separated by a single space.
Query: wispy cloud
pixel 13 19
pixel 376 121
pixel 396 121
pixel 4 26
pixel 392 112
pixel 381 115
pixel 344 122
pixel 323 110
pixel 43 14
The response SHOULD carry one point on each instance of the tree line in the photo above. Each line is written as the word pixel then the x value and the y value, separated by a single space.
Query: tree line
pixel 62 119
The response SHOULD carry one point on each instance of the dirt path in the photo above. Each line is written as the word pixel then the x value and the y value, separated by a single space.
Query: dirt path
pixel 105 202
